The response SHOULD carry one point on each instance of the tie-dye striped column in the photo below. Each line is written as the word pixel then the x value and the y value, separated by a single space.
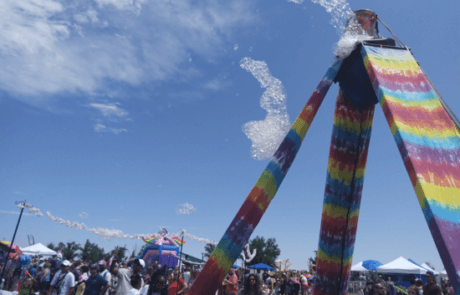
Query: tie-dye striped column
pixel 342 198
pixel 429 144
pixel 250 213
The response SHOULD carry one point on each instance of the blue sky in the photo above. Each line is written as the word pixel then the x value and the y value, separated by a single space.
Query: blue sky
pixel 126 109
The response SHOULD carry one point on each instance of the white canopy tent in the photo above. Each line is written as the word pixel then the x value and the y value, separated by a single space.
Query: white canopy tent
pixel 444 274
pixel 401 265
pixel 38 249
pixel 424 265
pixel 359 267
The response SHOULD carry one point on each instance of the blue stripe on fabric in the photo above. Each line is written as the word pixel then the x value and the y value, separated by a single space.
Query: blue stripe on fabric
pixel 447 142
pixel 336 250
pixel 275 170
pixel 448 213
pixel 333 69
pixel 232 249
pixel 410 96
pixel 295 139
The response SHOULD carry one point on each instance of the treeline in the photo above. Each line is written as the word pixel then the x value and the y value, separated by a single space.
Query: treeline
pixel 89 251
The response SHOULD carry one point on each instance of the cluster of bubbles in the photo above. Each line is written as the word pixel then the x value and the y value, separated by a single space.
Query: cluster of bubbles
pixel 268 134
pixel 185 208
pixel 83 215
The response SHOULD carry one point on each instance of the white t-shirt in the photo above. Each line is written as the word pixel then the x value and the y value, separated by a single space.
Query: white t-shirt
pixel 133 291
pixel 186 277
pixel 145 291
pixel 62 283
pixel 124 281
pixel 108 277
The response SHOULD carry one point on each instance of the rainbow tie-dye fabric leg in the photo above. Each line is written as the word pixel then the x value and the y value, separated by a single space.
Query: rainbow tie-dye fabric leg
pixel 342 198
pixel 250 213
pixel 429 144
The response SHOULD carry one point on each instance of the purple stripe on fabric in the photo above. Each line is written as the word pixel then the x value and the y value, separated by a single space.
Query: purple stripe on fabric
pixel 435 156
pixel 239 231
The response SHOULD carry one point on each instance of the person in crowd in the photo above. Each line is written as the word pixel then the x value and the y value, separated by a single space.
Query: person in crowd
pixel 96 284
pixel 158 286
pixel 177 285
pixel 431 288
pixel 287 287
pixel 124 275
pixel 81 285
pixel 63 282
pixel 105 273
pixel 413 290
pixel 252 285
pixel 378 289
pixel 419 284
pixel 239 274
pixel 136 281
pixel 232 283
pixel 193 274
pixel 360 291
pixel 148 275
pixel 44 279
pixel 169 277
pixel 186 275
pixel 75 268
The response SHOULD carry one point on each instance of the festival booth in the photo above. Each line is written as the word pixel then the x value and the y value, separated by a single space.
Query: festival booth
pixel 38 249
pixel 402 271
pixel 163 249
pixel 261 266
pixel 358 267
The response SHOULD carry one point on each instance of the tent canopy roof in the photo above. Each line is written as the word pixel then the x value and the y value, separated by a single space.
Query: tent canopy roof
pixel 37 249
pixel 261 266
pixel 401 265
pixel 359 267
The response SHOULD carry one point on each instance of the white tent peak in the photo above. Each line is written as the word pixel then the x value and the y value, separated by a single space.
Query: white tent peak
pixel 359 267
pixel 38 249
pixel 401 265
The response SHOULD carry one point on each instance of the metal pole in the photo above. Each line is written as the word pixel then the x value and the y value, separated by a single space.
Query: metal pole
pixel 14 236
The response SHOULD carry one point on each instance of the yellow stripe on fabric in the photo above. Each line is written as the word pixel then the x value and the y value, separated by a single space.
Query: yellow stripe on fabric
pixel 300 127
pixel 333 259
pixel 345 174
pixel 355 126
pixel 433 134
pixel 222 258
pixel 267 183
pixel 399 65
pixel 427 104
pixel 442 195
pixel 335 211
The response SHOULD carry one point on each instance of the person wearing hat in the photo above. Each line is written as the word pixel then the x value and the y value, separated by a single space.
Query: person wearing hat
pixel 105 273
pixel 63 282
pixel 96 284
pixel 124 275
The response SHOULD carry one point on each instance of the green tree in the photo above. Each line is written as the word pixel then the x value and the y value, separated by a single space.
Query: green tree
pixel 51 246
pixel 120 251
pixel 208 250
pixel 69 250
pixel 91 251
pixel 267 250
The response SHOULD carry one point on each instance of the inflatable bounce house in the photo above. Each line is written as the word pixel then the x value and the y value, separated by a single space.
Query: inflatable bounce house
pixel 163 249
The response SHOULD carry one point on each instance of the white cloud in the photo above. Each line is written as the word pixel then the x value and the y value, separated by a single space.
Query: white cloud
pixel 216 84
pixel 110 110
pixel 50 47
pixel 102 128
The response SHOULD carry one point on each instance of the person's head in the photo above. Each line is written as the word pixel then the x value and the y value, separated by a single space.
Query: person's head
pixel 360 289
pixel 252 282
pixel 430 278
pixel 158 284
pixel 378 289
pixel 412 282
pixel 84 268
pixel 389 279
pixel 366 291
pixel 65 266
pixel 149 271
pixel 412 291
pixel 47 264
pixel 419 283
pixel 136 281
pixel 231 271
pixel 246 271
pixel 94 269
pixel 39 269
pixel 258 271
pixel 188 269
pixel 102 265
pixel 138 265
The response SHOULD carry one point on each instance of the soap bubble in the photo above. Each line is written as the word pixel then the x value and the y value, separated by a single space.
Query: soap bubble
pixel 83 215
pixel 268 134
pixel 185 208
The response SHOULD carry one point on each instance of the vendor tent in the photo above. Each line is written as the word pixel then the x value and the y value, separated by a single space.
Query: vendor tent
pixel 401 265
pixel 38 249
pixel 359 267
pixel 261 266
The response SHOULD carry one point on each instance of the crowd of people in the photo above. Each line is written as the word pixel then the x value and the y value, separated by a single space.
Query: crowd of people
pixel 62 277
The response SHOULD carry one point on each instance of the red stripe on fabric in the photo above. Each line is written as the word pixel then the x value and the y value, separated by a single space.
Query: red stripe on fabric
pixel 332 225
pixel 389 75
pixel 212 281
pixel 328 269
pixel 439 174
pixel 430 119
pixel 313 105
pixel 250 211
